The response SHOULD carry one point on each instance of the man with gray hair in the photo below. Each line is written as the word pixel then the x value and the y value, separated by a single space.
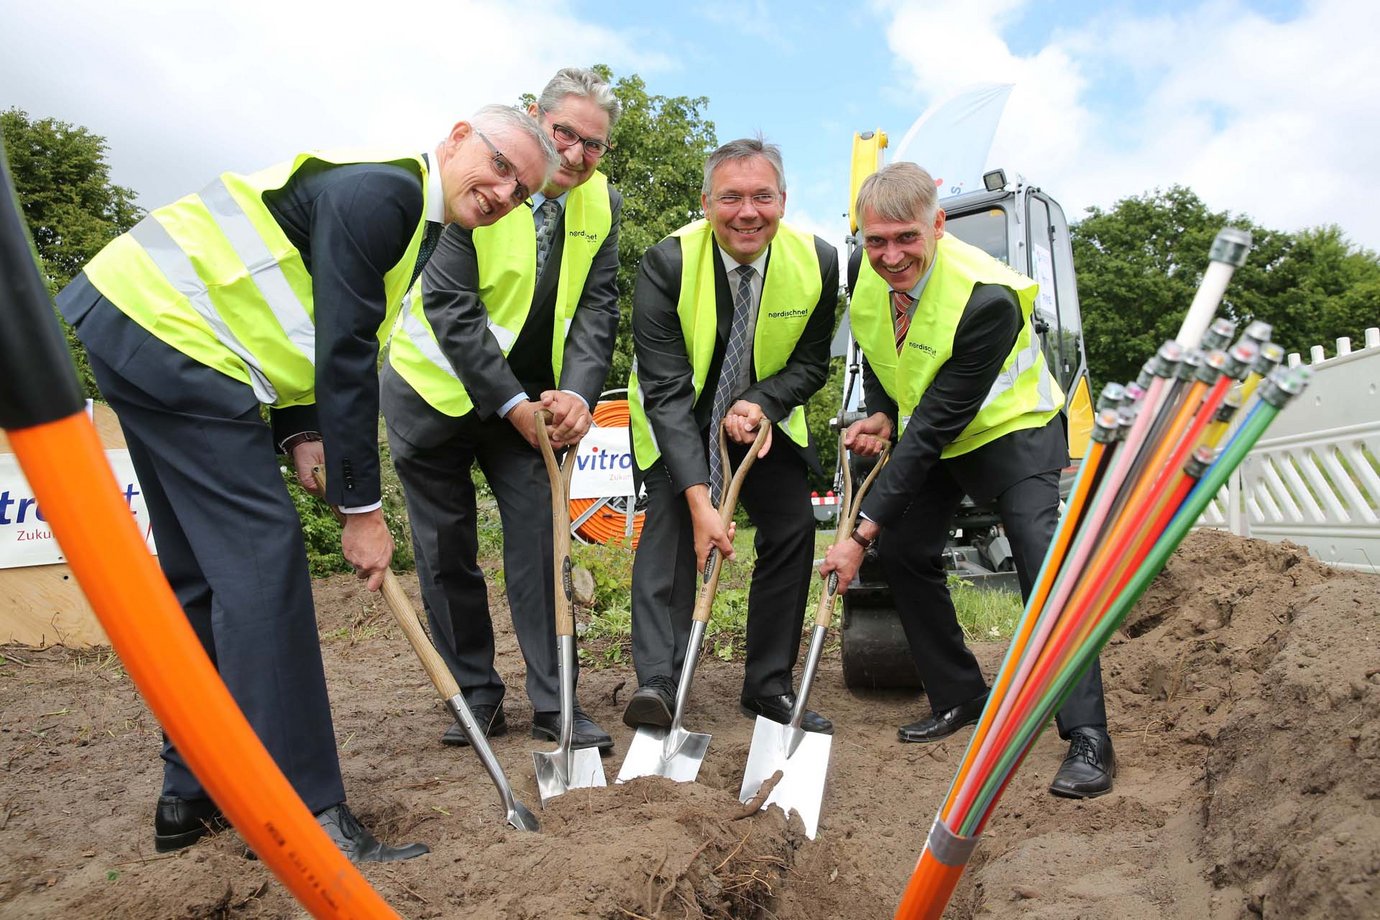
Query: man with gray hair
pixel 508 320
pixel 276 289
pixel 732 317
pixel 953 363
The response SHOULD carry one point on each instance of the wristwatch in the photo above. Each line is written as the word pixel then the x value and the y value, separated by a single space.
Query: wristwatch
pixel 302 437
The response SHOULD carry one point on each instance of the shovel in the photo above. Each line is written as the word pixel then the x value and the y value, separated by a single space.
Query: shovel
pixel 406 616
pixel 674 752
pixel 563 769
pixel 800 757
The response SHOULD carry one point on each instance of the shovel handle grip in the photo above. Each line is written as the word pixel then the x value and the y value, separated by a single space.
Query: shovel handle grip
pixel 713 565
pixel 559 476
pixel 405 615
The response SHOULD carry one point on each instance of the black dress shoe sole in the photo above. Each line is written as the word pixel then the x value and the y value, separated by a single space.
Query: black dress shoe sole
pixel 648 710
pixel 167 843
pixel 1070 794
pixel 605 747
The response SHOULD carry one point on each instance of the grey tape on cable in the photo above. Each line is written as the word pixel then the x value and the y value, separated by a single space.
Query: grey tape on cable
pixel 949 848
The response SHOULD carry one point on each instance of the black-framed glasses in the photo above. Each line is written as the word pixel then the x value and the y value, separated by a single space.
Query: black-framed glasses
pixel 761 200
pixel 566 137
pixel 505 170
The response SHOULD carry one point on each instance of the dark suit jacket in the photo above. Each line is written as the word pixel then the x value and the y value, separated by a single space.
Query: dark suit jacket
pixel 985 335
pixel 351 224
pixel 664 374
pixel 450 285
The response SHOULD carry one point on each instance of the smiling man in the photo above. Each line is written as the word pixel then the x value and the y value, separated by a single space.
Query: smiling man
pixel 732 317
pixel 276 289
pixel 952 362
pixel 505 321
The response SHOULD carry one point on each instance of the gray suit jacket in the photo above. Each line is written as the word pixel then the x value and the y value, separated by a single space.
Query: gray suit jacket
pixel 450 285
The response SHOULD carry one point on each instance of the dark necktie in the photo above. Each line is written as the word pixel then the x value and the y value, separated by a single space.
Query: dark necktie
pixel 429 239
pixel 900 318
pixel 550 211
pixel 733 367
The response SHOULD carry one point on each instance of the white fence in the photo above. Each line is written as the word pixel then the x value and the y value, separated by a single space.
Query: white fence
pixel 1314 479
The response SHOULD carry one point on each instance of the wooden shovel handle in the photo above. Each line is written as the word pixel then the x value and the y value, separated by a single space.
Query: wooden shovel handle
pixel 406 617
pixel 704 602
pixel 560 477
pixel 848 519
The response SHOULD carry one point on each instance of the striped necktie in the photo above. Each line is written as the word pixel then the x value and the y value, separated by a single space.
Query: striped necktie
pixel 550 211
pixel 900 318
pixel 731 373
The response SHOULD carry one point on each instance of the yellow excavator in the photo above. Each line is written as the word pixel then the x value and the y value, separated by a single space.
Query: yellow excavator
pixel 1026 228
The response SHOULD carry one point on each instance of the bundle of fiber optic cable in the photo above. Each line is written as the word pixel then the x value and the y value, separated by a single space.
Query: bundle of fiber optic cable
pixel 1162 448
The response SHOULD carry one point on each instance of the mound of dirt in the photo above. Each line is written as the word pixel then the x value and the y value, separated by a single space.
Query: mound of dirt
pixel 1242 693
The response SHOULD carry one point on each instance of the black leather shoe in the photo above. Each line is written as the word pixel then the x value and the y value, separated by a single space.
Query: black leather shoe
pixel 585 733
pixel 179 823
pixel 1088 769
pixel 355 841
pixel 778 709
pixel 490 719
pixel 943 724
pixel 652 704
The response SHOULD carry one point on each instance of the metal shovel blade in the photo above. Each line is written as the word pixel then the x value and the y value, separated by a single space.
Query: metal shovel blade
pixel 673 753
pixel 560 771
pixel 801 787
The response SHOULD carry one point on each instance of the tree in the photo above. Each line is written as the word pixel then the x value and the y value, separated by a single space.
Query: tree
pixel 71 206
pixel 1139 264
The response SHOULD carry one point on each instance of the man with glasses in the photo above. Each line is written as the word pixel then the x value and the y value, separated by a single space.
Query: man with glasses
pixel 732 318
pixel 276 289
pixel 506 321
pixel 952 363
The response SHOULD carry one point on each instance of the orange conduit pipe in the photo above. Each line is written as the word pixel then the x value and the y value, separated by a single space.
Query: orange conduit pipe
pixel 607 524
pixel 42 411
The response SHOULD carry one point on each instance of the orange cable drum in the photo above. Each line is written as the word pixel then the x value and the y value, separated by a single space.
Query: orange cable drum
pixel 608 524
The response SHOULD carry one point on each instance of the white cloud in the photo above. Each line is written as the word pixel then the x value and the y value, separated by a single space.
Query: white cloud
pixel 183 91
pixel 1277 119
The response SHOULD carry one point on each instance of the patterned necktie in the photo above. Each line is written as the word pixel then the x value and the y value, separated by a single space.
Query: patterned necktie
pixel 730 372
pixel 429 240
pixel 900 319
pixel 550 211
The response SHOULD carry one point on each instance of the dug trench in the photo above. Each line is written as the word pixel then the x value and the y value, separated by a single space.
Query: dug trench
pixel 1243 692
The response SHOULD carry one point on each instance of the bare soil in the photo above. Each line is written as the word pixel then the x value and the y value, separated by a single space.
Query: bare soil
pixel 1244 694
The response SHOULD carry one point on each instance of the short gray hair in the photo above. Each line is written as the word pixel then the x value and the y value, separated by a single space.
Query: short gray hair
pixel 745 148
pixel 500 117
pixel 580 81
pixel 899 192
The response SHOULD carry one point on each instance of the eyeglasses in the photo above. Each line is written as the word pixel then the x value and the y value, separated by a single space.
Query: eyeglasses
pixel 594 149
pixel 761 200
pixel 505 170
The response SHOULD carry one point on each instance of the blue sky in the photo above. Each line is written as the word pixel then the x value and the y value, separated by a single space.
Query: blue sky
pixel 1264 107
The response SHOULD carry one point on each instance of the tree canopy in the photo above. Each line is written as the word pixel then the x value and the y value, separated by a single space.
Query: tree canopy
pixel 1139 264
pixel 71 206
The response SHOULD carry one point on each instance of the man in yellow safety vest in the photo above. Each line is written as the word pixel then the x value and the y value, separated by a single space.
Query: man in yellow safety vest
pixel 276 289
pixel 953 363
pixel 505 321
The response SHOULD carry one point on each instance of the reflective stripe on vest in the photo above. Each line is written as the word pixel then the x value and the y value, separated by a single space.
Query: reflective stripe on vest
pixel 214 276
pixel 507 257
pixel 1024 395
pixel 790 291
